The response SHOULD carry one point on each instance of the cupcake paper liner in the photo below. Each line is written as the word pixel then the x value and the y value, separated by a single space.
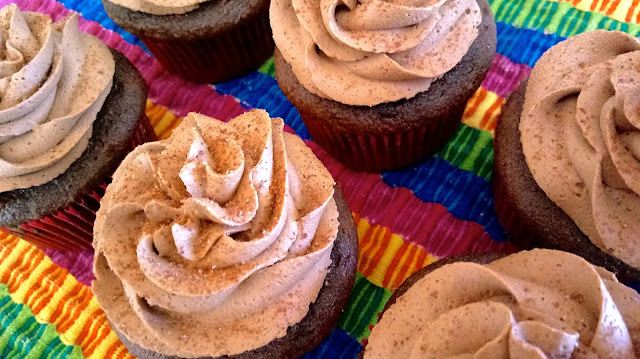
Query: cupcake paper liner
pixel 218 58
pixel 381 152
pixel 71 228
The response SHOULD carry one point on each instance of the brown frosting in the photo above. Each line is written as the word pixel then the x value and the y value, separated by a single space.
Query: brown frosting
pixel 580 129
pixel 160 7
pixel 538 304
pixel 373 51
pixel 214 241
pixel 53 82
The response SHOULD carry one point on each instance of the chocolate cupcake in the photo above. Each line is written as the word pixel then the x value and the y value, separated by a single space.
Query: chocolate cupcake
pixel 204 41
pixel 567 153
pixel 533 304
pixel 226 240
pixel 70 110
pixel 381 85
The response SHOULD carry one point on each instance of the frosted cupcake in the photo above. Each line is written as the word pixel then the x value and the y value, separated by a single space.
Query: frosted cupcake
pixel 70 110
pixel 381 85
pixel 538 304
pixel 224 240
pixel 567 159
pixel 204 41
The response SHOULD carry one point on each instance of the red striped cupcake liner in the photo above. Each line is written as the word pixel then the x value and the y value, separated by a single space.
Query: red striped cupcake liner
pixel 71 228
pixel 216 58
pixel 377 152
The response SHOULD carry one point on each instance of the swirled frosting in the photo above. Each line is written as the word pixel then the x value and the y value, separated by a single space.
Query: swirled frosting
pixel 53 82
pixel 160 7
pixel 369 52
pixel 580 128
pixel 214 241
pixel 538 304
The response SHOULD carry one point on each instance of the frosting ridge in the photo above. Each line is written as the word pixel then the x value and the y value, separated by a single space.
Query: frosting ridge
pixel 53 82
pixel 532 304
pixel 580 130
pixel 216 239
pixel 374 51
pixel 160 7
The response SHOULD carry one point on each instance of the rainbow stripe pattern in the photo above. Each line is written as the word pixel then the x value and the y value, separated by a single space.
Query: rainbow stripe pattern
pixel 406 219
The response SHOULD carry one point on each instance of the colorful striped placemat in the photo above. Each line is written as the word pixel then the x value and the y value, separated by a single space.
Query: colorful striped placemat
pixel 406 219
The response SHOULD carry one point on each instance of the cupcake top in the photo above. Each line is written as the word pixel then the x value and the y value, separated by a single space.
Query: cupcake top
pixel 160 7
pixel 536 304
pixel 216 240
pixel 373 51
pixel 580 128
pixel 53 82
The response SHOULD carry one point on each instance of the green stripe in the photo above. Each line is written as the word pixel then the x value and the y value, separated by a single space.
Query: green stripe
pixel 470 149
pixel 268 68
pixel 559 18
pixel 23 337
pixel 366 301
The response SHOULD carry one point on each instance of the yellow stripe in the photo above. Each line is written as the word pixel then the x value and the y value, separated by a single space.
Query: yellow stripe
pixel 484 109
pixel 377 238
pixel 161 119
pixel 620 13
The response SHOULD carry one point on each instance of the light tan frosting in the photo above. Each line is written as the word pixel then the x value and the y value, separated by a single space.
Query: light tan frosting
pixel 160 7
pixel 373 51
pixel 531 305
pixel 214 241
pixel 53 82
pixel 580 129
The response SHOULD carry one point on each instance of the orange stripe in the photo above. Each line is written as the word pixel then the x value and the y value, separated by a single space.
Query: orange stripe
pixel 169 129
pixel 479 97
pixel 632 8
pixel 25 263
pixel 35 296
pixel 388 275
pixel 50 285
pixel 382 248
pixel 78 296
pixel 613 7
pixel 366 245
pixel 103 329
pixel 7 275
pixel 490 112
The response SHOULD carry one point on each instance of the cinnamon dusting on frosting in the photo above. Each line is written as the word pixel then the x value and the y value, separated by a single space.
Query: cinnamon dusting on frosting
pixel 369 52
pixel 580 129
pixel 215 240
pixel 160 7
pixel 53 82
pixel 539 304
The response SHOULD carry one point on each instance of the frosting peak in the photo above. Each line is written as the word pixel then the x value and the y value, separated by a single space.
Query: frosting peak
pixel 581 136
pixel 538 304
pixel 374 51
pixel 53 82
pixel 226 225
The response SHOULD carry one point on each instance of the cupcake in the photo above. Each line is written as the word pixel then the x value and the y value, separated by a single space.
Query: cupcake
pixel 537 304
pixel 204 41
pixel 70 111
pixel 226 240
pixel 381 85
pixel 567 153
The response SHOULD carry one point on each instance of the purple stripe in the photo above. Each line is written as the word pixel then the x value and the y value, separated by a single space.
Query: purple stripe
pixel 505 76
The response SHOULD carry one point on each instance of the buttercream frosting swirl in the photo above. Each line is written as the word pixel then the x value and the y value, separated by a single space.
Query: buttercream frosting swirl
pixel 580 128
pixel 53 82
pixel 538 304
pixel 217 238
pixel 369 52
pixel 160 7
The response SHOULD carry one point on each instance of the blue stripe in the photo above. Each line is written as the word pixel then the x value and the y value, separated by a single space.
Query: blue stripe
pixel 465 195
pixel 523 46
pixel 258 90
pixel 94 11
pixel 338 345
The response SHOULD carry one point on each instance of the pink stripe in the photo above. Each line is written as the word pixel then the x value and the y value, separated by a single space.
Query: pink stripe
pixel 79 264
pixel 429 225
pixel 505 76
pixel 165 89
